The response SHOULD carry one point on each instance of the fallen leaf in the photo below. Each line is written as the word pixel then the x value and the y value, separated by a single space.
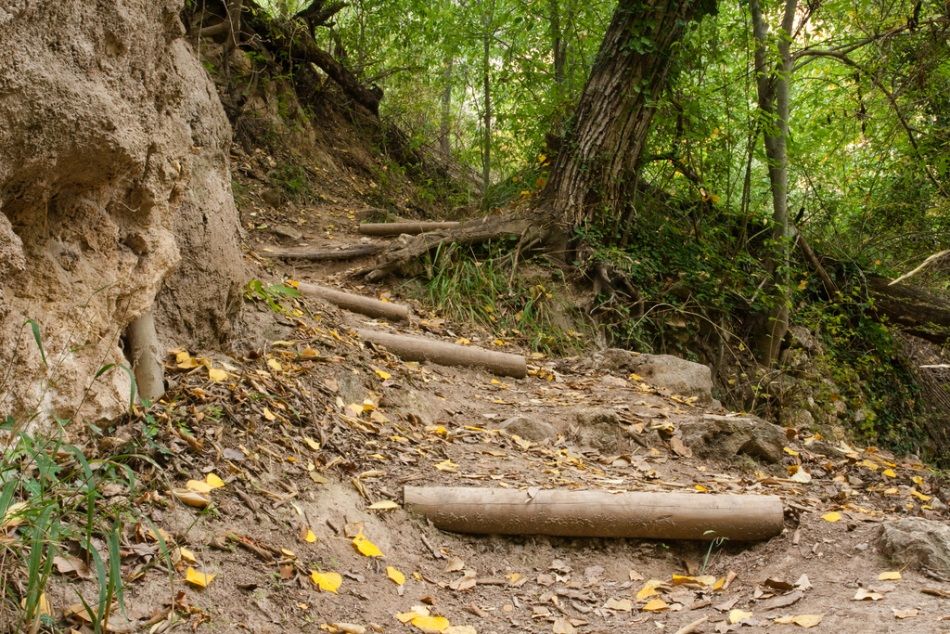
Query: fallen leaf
pixel 269 415
pixel 889 575
pixel 275 365
pixel 802 620
pixel 832 516
pixel 890 473
pixel 679 448
pixel 866 595
pixel 737 615
pixel 385 505
pixel 198 579
pixel 447 465
pixel 920 496
pixel 217 375
pixel 366 547
pixel 397 577
pixel 191 498
pixel 905 614
pixel 214 481
pixel 563 626
pixel 649 589
pixel 621 605
pixel 187 555
pixel 326 581
pixel 430 624
pixel 199 486
pixel 310 537
pixel 801 476
pixel 313 444
pixel 382 374
pixel 655 605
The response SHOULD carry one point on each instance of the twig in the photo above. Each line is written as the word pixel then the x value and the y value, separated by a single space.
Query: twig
pixel 692 627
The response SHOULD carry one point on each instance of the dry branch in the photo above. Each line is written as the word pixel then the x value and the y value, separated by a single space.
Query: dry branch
pixel 422 349
pixel 598 513
pixel 471 232
pixel 357 303
pixel 320 255
pixel 399 228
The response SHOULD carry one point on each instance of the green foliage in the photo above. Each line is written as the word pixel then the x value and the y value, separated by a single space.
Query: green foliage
pixel 294 180
pixel 273 295
pixel 478 286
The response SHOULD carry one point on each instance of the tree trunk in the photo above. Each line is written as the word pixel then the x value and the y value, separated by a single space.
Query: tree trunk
pixel 595 165
pixel 445 118
pixel 558 43
pixel 772 88
pixel 486 110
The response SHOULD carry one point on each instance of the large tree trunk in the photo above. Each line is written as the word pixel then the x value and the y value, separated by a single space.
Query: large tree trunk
pixel 772 88
pixel 596 163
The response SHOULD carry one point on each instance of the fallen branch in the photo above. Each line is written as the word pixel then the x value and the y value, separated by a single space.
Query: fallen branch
pixel 920 313
pixel 319 255
pixel 422 349
pixel 399 228
pixel 598 513
pixel 357 303
pixel 936 257
pixel 471 232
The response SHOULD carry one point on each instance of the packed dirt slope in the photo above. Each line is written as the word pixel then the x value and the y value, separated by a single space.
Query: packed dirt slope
pixel 114 189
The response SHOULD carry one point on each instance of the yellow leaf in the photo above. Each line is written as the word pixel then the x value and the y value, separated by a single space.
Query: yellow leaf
pixel 313 444
pixel 867 464
pixel 199 486
pixel 802 620
pixel 187 555
pixel 720 582
pixel 920 496
pixel 890 473
pixel 269 415
pixel 383 374
pixel 366 547
pixel 310 537
pixel 192 498
pixel 889 575
pixel 701 488
pixel 431 624
pixel 439 430
pixel 790 451
pixel 655 605
pixel 447 465
pixel 217 375
pixel 397 577
pixel 214 481
pixel 198 579
pixel 918 480
pixel 832 516
pixel 326 581
pixel 738 615
pixel 649 589
pixel 385 505
pixel 275 365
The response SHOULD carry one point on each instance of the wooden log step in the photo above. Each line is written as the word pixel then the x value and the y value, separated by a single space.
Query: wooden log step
pixel 423 349
pixel 318 255
pixel 399 228
pixel 567 513
pixel 357 303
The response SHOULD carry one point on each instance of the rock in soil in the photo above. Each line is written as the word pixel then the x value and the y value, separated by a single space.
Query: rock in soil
pixel 914 541
pixel 726 436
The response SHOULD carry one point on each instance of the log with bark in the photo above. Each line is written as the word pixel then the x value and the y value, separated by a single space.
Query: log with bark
pixel 146 357
pixel 357 303
pixel 384 229
pixel 292 42
pixel 443 353
pixel 568 513
pixel 321 255
pixel 917 311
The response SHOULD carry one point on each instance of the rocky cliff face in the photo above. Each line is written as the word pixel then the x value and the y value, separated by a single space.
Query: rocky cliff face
pixel 114 191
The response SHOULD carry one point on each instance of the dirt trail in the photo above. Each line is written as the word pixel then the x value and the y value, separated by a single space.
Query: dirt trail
pixel 311 428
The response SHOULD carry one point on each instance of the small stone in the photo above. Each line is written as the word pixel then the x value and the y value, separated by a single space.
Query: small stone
pixel 529 428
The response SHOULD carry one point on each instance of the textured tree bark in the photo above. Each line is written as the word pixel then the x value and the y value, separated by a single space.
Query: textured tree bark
pixel 399 228
pixel 597 161
pixel 357 303
pixel 146 357
pixel 322 255
pixel 599 513
pixel 920 313
pixel 442 353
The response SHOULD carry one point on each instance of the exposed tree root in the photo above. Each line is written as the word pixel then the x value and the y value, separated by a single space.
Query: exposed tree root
pixel 515 225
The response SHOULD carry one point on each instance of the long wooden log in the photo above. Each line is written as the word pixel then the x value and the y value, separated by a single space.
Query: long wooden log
pixel 598 513
pixel 357 303
pixel 399 228
pixel 422 349
pixel 321 255
pixel 917 311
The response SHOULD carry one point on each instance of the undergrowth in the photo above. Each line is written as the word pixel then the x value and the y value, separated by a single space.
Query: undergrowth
pixel 53 513
pixel 478 285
